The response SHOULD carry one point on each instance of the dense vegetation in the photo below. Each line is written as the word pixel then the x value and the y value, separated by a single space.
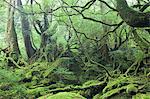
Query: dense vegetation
pixel 75 49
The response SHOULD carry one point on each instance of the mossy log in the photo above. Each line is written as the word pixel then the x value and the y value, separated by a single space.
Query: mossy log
pixel 99 85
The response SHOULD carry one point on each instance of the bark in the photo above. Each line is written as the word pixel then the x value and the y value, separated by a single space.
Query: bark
pixel 42 31
pixel 132 17
pixel 26 31
pixel 11 35
pixel 44 35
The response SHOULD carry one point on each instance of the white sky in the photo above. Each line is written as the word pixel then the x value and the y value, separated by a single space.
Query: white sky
pixel 131 1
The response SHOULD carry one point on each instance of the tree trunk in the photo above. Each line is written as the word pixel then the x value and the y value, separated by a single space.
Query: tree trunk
pixel 26 31
pixel 132 17
pixel 44 34
pixel 11 35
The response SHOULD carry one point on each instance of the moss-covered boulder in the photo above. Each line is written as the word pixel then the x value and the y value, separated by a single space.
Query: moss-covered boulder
pixel 63 95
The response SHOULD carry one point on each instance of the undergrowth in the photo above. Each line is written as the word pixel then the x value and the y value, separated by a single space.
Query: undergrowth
pixel 70 78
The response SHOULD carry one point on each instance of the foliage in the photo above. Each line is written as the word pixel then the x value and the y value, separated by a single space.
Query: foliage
pixel 81 52
pixel 9 84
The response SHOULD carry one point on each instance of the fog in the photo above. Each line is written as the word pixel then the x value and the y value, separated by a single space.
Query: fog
pixel 131 2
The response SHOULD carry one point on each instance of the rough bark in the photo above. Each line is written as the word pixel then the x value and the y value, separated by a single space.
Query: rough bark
pixel 26 31
pixel 42 31
pixel 44 35
pixel 11 35
pixel 132 17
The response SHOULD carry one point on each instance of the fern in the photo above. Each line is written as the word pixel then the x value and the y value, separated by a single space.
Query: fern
pixel 9 84
pixel 8 76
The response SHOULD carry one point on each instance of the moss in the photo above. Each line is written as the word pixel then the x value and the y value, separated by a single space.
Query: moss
pixel 112 92
pixel 91 82
pixel 135 18
pixel 131 88
pixel 35 91
pixel 63 95
pixel 141 96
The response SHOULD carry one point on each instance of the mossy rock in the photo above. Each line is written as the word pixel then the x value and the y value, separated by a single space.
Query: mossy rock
pixel 141 96
pixel 63 95
pixel 131 88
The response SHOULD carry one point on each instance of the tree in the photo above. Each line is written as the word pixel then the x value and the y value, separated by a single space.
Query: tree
pixel 26 30
pixel 132 17
pixel 11 35
pixel 43 29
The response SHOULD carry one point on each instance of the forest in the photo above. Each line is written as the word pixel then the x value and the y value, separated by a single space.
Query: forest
pixel 75 49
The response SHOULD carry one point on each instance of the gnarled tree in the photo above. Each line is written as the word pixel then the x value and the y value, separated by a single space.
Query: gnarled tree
pixel 132 17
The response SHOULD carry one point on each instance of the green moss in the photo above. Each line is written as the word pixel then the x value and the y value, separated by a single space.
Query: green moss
pixel 63 95
pixel 36 91
pixel 135 18
pixel 91 82
pixel 141 96
pixel 131 88
pixel 112 92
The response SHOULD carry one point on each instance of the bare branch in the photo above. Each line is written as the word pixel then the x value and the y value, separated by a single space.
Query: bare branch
pixel 108 5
